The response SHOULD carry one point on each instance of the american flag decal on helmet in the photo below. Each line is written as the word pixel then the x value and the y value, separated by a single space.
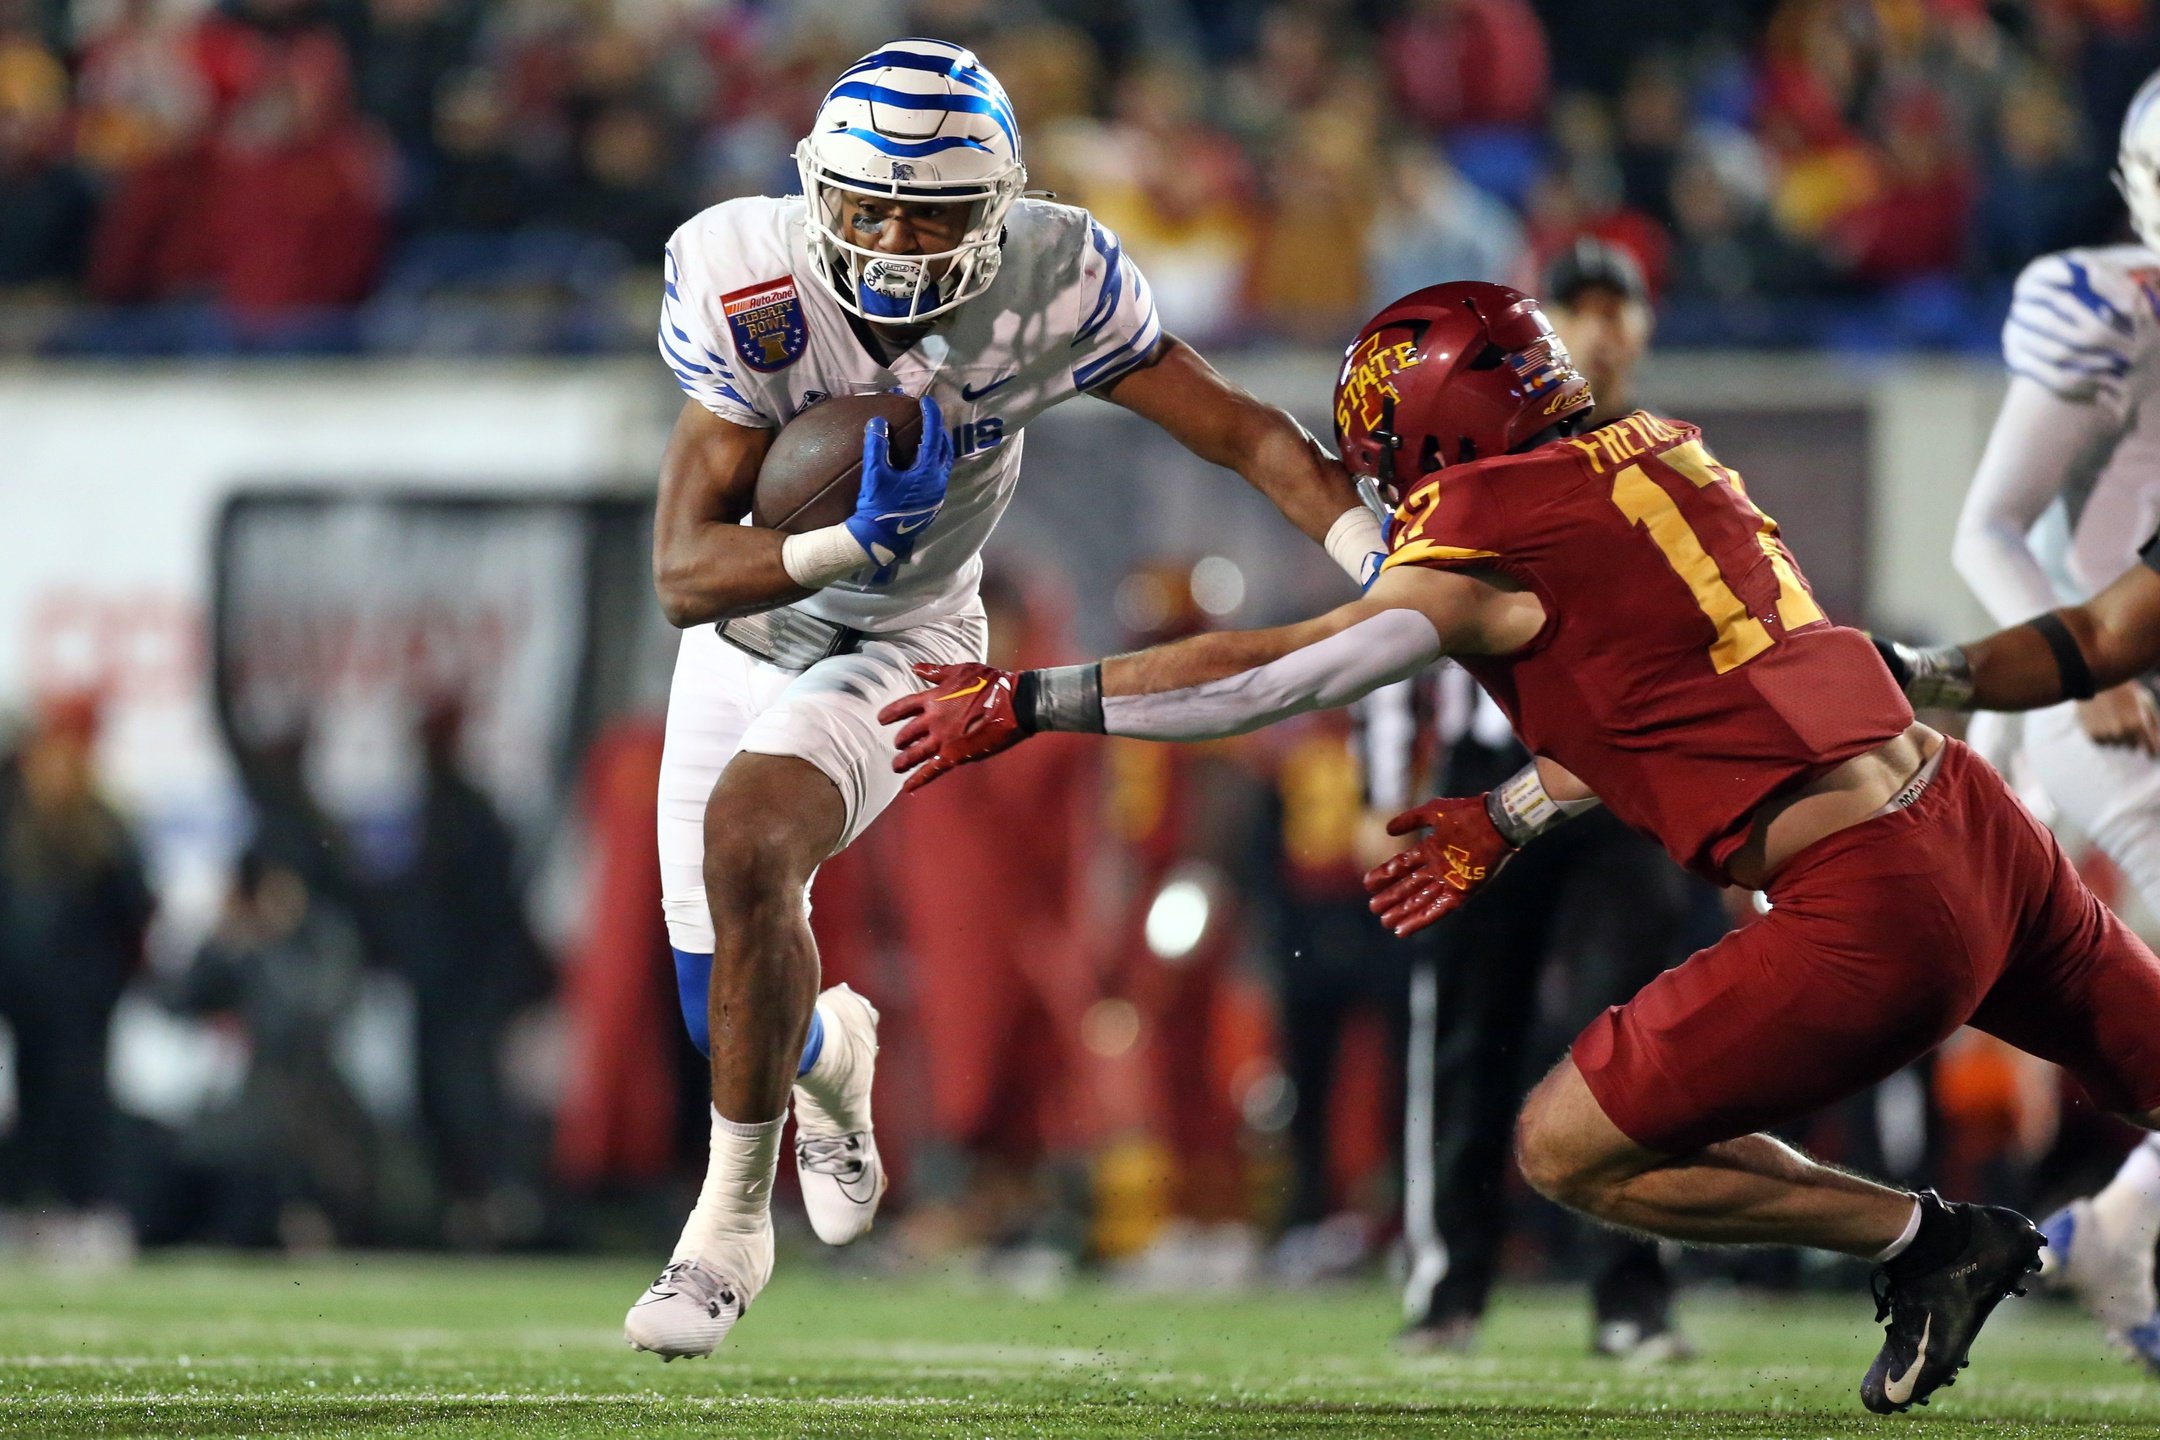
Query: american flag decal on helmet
pixel 1541 366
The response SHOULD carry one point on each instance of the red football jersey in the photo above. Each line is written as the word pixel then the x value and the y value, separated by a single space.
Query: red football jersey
pixel 1684 671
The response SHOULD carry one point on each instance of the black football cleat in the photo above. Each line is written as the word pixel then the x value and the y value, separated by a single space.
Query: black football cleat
pixel 1937 1305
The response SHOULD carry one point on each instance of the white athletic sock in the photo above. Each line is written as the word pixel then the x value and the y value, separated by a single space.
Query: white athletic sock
pixel 1905 1237
pixel 2130 1203
pixel 737 1198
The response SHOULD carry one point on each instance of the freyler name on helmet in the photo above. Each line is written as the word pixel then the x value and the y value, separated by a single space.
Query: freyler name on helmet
pixel 1369 379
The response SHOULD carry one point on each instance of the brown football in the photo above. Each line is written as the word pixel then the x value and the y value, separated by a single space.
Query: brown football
pixel 813 472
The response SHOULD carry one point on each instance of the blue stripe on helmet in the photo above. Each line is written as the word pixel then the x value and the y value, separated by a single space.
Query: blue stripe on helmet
pixel 974 77
pixel 1106 301
pixel 911 149
pixel 971 76
pixel 910 100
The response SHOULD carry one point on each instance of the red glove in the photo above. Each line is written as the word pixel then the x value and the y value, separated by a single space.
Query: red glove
pixel 1438 874
pixel 966 714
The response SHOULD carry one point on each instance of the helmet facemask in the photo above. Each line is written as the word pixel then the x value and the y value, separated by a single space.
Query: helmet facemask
pixel 887 289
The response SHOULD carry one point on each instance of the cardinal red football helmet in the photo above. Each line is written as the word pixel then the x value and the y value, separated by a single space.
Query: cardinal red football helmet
pixel 1449 374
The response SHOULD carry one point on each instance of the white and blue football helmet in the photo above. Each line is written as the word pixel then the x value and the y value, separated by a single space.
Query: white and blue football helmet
pixel 2137 162
pixel 918 120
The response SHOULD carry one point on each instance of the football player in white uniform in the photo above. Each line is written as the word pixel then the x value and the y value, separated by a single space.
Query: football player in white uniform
pixel 912 262
pixel 2067 489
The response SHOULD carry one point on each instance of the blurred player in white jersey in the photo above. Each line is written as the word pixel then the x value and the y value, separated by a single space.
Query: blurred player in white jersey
pixel 2068 488
pixel 912 262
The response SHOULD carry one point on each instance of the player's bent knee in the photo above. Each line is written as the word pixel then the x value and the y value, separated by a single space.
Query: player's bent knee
pixel 771 821
pixel 1543 1156
pixel 1565 1146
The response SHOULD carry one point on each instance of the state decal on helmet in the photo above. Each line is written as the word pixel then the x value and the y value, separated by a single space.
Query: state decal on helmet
pixel 920 121
pixel 1451 374
pixel 2137 162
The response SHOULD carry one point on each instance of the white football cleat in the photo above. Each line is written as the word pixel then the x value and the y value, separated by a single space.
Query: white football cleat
pixel 836 1155
pixel 2110 1270
pixel 689 1310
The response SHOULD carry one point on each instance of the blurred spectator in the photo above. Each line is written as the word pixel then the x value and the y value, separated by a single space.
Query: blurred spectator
pixel 1333 967
pixel 1175 189
pixel 468 952
pixel 1308 274
pixel 142 95
pixel 282 209
pixel 2041 186
pixel 622 187
pixel 1184 839
pixel 402 53
pixel 1727 250
pixel 1914 222
pixel 44 200
pixel 477 184
pixel 1469 62
pixel 1433 226
pixel 990 917
pixel 1296 67
pixel 1653 127
pixel 74 905
pixel 291 1151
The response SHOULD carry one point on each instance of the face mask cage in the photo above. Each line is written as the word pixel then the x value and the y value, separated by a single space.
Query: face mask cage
pixel 905 289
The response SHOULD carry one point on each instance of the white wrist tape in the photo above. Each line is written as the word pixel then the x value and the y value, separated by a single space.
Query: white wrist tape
pixel 816 558
pixel 1353 537
pixel 1521 809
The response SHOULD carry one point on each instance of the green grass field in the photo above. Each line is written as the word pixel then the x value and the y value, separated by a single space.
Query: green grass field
pixel 373 1346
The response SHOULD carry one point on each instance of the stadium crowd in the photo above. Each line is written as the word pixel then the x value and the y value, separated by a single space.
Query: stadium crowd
pixel 499 175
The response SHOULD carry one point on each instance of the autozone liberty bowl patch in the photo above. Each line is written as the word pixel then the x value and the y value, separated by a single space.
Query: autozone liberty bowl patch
pixel 770 332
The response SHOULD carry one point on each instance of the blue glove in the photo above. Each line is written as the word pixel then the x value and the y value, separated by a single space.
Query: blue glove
pixel 896 506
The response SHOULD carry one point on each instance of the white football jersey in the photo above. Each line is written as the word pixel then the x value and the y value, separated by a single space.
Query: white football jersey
pixel 2086 325
pixel 753 334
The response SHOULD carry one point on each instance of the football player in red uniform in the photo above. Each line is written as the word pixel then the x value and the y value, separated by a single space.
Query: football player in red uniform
pixel 1646 630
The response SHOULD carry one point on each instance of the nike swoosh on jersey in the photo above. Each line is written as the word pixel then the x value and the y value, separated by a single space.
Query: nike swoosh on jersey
pixel 1898 1389
pixel 969 392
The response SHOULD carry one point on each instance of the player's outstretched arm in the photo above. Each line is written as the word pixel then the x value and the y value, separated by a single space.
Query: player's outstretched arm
pixel 2116 636
pixel 2066 654
pixel 1227 425
pixel 1215 685
pixel 706 566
